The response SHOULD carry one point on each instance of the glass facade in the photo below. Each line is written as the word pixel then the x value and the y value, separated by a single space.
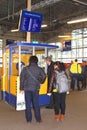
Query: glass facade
pixel 78 47
pixel 0 52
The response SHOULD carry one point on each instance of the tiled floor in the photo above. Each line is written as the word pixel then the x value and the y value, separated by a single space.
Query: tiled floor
pixel 76 116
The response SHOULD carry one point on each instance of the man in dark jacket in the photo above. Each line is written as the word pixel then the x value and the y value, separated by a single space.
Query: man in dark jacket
pixel 50 68
pixel 30 79
pixel 84 73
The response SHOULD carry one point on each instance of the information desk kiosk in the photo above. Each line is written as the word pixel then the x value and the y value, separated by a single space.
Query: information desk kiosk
pixel 15 57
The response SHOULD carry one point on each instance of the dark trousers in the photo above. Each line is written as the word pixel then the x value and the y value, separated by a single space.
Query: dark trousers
pixel 59 103
pixel 32 97
pixel 73 82
pixel 78 84
pixel 51 104
pixel 74 78
pixel 84 82
pixel 81 81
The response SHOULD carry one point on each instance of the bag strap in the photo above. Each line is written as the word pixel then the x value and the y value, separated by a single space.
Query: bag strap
pixel 32 76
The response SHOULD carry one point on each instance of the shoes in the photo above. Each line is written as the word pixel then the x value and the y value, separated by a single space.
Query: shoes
pixel 29 122
pixel 83 88
pixel 57 117
pixel 62 117
pixel 39 121
pixel 49 107
pixel 79 89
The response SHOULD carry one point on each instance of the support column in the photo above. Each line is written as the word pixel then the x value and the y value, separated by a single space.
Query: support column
pixel 28 37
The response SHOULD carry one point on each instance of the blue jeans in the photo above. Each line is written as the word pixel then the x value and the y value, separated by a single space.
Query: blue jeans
pixel 32 97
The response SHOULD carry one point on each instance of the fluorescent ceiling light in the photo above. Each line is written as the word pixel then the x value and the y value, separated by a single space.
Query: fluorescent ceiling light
pixel 15 30
pixel 44 25
pixel 61 36
pixel 77 21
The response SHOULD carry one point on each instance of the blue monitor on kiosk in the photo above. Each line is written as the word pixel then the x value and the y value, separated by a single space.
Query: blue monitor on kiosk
pixel 30 21
pixel 9 41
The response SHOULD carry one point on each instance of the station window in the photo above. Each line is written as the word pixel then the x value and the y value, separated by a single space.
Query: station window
pixel 85 52
pixel 0 53
pixel 78 47
pixel 85 42
pixel 74 53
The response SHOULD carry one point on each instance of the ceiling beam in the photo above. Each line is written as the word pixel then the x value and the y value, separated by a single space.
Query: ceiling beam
pixel 44 3
pixel 80 2
pixel 33 7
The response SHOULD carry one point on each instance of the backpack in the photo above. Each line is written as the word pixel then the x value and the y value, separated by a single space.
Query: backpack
pixel 62 84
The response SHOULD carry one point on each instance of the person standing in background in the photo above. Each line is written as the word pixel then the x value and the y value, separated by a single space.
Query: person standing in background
pixel 75 72
pixel 50 68
pixel 30 79
pixel 84 73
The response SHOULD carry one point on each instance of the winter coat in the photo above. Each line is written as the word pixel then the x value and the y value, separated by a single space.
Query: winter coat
pixel 52 82
pixel 50 69
pixel 75 68
pixel 31 77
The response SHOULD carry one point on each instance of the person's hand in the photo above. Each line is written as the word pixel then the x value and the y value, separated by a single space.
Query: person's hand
pixel 49 94
pixel 22 91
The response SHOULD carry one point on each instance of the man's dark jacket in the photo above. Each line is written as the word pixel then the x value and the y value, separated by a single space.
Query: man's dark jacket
pixel 31 77
pixel 49 71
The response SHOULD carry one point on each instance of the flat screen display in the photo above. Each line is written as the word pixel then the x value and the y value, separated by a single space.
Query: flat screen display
pixel 30 21
pixel 67 46
pixel 9 41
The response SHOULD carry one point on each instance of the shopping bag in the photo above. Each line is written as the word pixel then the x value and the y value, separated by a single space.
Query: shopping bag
pixel 20 104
